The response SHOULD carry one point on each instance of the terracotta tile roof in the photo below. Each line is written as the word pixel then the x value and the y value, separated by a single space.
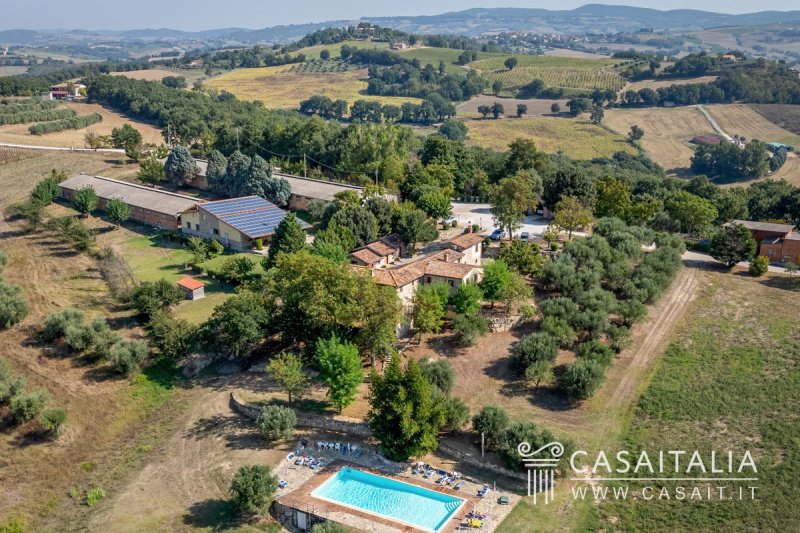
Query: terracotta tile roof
pixel 188 282
pixel 365 255
pixel 381 248
pixel 466 240
pixel 409 272
pixel 448 270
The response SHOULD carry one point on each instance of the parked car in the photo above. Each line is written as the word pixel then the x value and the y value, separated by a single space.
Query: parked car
pixel 524 236
pixel 497 234
pixel 449 220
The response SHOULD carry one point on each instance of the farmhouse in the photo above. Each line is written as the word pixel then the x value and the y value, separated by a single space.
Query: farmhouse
pixel 153 207
pixel 235 222
pixel 377 254
pixel 64 90
pixel 445 265
pixel 471 245
pixel 779 242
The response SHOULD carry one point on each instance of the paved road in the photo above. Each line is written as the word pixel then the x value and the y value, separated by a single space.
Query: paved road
pixel 714 123
pixel 61 149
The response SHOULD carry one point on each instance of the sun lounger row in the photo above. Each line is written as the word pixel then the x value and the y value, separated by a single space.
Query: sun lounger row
pixel 346 449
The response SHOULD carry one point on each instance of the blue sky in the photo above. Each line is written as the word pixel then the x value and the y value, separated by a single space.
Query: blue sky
pixel 210 14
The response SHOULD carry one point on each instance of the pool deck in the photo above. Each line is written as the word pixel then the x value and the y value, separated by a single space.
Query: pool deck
pixel 303 481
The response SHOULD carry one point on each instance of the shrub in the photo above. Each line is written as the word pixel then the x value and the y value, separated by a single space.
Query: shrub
pixel 491 420
pixel 9 385
pixel 538 346
pixel 253 489
pixel 619 337
pixel 528 312
pixel 456 414
pixel 152 296
pixel 469 328
pixel 595 350
pixel 127 357
pixel 174 337
pixel 558 307
pixel 440 374
pixel 237 269
pixel 95 496
pixel 581 379
pixel 13 306
pixel 57 322
pixel 26 407
pixel 53 421
pixel 259 243
pixel 215 249
pixel 467 299
pixel 276 422
pixel 85 200
pixel 631 311
pixel 71 123
pixel 759 266
pixel 560 330
pixel 538 372
pixel 46 191
pixel 519 432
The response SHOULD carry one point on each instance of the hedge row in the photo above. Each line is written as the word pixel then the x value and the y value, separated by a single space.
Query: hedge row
pixel 36 116
pixel 11 107
pixel 73 123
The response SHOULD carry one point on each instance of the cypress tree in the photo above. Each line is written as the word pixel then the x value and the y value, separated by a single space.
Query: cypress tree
pixel 289 238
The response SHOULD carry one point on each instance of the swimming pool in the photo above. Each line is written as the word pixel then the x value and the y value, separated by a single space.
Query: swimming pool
pixel 422 508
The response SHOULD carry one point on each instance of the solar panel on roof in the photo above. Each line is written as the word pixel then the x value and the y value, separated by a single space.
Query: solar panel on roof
pixel 237 204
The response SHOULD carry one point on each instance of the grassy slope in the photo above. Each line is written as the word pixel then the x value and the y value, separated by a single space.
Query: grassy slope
pixel 279 89
pixel 577 138
pixel 729 380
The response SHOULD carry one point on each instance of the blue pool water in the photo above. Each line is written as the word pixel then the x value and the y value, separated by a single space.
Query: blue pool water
pixel 426 509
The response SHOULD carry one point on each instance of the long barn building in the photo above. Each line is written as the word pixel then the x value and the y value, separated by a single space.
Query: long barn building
pixel 150 206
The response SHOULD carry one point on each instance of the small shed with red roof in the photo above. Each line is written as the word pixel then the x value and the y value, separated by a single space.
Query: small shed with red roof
pixel 193 288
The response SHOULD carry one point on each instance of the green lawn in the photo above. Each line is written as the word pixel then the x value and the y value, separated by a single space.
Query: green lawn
pixel 312 52
pixel 153 257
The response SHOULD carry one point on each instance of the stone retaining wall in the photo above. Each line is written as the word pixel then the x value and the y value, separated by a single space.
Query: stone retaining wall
pixel 307 420
pixel 361 429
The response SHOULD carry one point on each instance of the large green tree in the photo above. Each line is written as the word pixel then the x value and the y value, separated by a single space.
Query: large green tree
pixel 253 489
pixel 180 167
pixel 496 276
pixel 340 369
pixel 289 238
pixel 403 415
pixel 510 199
pixel 731 244
pixel 85 200
pixel 127 138
pixel 287 369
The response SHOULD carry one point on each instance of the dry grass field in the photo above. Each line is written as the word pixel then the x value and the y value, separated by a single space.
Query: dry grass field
pixel 655 84
pixel 740 119
pixel 157 74
pixel 536 106
pixel 785 116
pixel 279 89
pixel 666 132
pixel 12 70
pixel 577 138
pixel 18 133
pixel 108 427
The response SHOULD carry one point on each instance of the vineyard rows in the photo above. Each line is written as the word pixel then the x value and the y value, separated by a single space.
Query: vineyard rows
pixel 316 66
pixel 567 77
